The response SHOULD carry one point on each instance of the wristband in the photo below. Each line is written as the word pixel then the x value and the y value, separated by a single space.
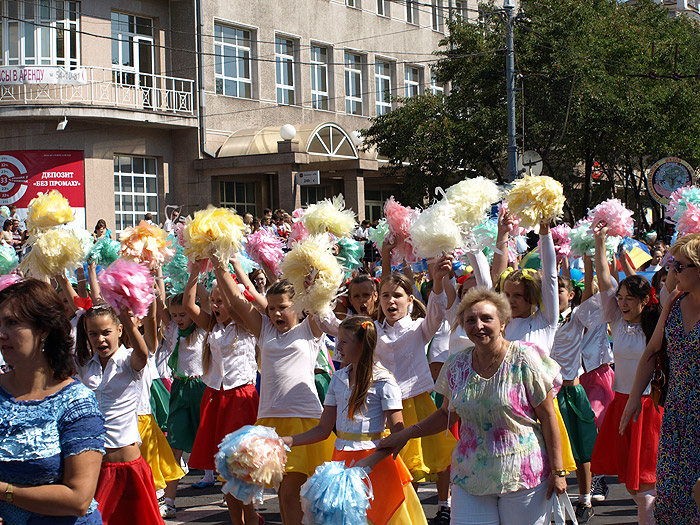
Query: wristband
pixel 559 472
pixel 9 493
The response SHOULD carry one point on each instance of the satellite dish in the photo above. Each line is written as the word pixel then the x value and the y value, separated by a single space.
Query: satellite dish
pixel 530 163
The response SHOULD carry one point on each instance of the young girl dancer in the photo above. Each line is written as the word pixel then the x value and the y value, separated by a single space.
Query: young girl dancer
pixel 288 398
pixel 230 400
pixel 632 311
pixel 401 348
pixel 125 490
pixel 363 398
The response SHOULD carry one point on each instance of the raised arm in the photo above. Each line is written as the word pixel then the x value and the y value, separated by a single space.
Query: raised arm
pixel 601 259
pixel 162 313
pixel 150 329
pixel 95 292
pixel 500 260
pixel 189 302
pixel 239 304
pixel 139 353
pixel 67 290
pixel 550 286
pixel 260 300
pixel 587 278
pixel 437 301
pixel 386 256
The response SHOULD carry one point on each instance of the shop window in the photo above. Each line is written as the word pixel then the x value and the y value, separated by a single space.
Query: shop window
pixel 312 194
pixel 135 190
pixel 238 195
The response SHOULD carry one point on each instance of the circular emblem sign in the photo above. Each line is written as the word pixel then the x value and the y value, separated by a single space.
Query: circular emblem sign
pixel 666 176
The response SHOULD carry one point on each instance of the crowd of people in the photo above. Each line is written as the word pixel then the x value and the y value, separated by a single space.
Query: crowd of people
pixel 493 380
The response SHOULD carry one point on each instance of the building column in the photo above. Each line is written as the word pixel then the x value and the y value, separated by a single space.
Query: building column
pixel 354 192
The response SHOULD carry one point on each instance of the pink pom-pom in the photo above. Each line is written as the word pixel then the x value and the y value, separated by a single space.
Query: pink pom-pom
pixel 398 219
pixel 264 247
pixel 179 232
pixel 689 222
pixel 9 280
pixel 127 285
pixel 616 217
pixel 562 244
pixel 299 232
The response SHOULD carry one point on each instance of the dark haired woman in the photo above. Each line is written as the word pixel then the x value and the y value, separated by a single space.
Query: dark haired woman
pixel 51 429
pixel 363 398
pixel 632 311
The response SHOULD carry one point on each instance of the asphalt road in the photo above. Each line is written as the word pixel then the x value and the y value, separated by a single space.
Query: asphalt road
pixel 203 506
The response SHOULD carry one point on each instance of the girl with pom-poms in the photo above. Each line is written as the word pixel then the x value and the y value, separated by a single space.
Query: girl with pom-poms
pixel 185 361
pixel 230 400
pixel 288 399
pixel 632 312
pixel 401 348
pixel 363 398
pixel 115 374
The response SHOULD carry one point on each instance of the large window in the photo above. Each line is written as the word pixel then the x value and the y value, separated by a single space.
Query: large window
pixel 232 47
pixel 238 195
pixel 412 81
pixel 412 12
pixel 284 63
pixel 436 88
pixel 40 32
pixel 436 15
pixel 382 86
pixel 312 194
pixel 353 84
pixel 135 190
pixel 132 50
pixel 319 77
pixel 383 7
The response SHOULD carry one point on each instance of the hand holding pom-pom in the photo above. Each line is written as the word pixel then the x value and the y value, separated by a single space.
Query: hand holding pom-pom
pixel 47 210
pixel 617 218
pixel 265 248
pixel 214 231
pixel 329 216
pixel 147 244
pixel 127 286
pixel 536 199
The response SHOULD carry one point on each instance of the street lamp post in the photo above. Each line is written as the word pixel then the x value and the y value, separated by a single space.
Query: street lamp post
pixel 512 149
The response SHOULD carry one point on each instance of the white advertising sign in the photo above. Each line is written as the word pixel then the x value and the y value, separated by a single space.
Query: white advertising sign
pixel 41 75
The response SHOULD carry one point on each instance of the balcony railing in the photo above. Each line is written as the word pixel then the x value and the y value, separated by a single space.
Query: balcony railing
pixel 109 88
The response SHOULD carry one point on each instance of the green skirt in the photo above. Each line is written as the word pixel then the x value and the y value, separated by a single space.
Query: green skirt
pixel 183 420
pixel 160 402
pixel 579 420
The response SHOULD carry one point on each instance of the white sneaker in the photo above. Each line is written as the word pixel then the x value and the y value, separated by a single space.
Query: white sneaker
pixel 167 511
pixel 599 489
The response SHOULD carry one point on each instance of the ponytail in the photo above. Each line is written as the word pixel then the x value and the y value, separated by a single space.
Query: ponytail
pixel 363 330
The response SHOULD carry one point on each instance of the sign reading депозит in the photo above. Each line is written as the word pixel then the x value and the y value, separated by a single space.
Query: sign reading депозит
pixel 25 174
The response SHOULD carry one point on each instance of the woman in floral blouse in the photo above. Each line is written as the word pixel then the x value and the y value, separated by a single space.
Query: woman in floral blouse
pixel 508 460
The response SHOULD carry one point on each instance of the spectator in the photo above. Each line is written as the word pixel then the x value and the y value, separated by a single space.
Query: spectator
pixel 148 218
pixel 16 237
pixel 7 232
pixel 172 220
pixel 101 231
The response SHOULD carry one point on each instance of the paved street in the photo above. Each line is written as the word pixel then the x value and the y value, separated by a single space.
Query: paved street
pixel 202 506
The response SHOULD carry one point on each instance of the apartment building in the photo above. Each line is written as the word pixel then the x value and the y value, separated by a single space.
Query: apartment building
pixel 129 106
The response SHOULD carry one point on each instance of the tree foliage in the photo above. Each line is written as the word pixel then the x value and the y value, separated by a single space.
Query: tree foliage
pixel 602 82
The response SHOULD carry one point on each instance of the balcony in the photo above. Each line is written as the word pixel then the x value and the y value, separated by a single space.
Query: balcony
pixel 107 89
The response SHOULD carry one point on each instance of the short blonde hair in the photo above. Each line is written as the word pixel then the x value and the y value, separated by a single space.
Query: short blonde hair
pixel 480 294
pixel 688 246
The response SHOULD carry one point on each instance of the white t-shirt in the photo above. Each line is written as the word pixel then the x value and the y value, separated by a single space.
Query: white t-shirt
pixel 117 390
pixel 383 394
pixel 287 362
pixel 232 362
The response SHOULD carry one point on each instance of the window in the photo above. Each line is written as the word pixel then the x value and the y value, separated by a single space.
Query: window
pixel 382 86
pixel 132 50
pixel 239 196
pixel 411 12
pixel 436 15
pixel 232 48
pixel 284 62
pixel 436 88
pixel 412 81
pixel 460 9
pixel 352 3
pixel 383 7
pixel 374 204
pixel 353 84
pixel 135 190
pixel 40 32
pixel 319 77
pixel 312 194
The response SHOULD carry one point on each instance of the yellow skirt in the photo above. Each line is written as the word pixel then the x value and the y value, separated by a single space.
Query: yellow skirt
pixel 411 511
pixel 156 450
pixel 428 455
pixel 306 458
pixel 567 455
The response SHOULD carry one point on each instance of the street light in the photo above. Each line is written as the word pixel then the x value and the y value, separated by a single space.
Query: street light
pixel 62 124
pixel 288 132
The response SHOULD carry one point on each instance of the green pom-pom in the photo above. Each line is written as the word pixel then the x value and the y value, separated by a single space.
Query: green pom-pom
pixel 350 255
pixel 8 259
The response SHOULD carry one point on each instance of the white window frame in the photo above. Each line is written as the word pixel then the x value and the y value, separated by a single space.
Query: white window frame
pixel 354 104
pixel 460 8
pixel 126 196
pixel 435 87
pixel 411 12
pixel 320 99
pixel 285 59
pixel 36 33
pixel 436 15
pixel 411 85
pixel 383 86
pixel 136 74
pixel 383 8
pixel 355 4
pixel 227 71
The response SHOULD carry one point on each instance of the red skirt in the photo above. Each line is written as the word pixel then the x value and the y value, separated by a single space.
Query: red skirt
pixel 221 412
pixel 126 494
pixel 631 456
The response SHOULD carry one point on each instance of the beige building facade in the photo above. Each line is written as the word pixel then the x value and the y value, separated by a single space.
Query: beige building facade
pixel 183 102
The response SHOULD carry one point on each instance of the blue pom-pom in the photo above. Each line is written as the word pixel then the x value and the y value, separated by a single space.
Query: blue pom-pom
pixel 336 495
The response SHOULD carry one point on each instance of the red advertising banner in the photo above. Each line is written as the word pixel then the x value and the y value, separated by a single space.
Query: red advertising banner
pixel 24 174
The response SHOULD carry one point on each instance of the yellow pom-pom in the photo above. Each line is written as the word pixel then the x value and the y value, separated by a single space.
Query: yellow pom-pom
pixel 329 216
pixel 214 231
pixel 434 231
pixel 47 210
pixel 536 199
pixel 471 199
pixel 146 243
pixel 314 255
pixel 53 251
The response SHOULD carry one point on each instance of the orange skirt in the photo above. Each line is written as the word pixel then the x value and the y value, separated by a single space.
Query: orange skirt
pixel 388 478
